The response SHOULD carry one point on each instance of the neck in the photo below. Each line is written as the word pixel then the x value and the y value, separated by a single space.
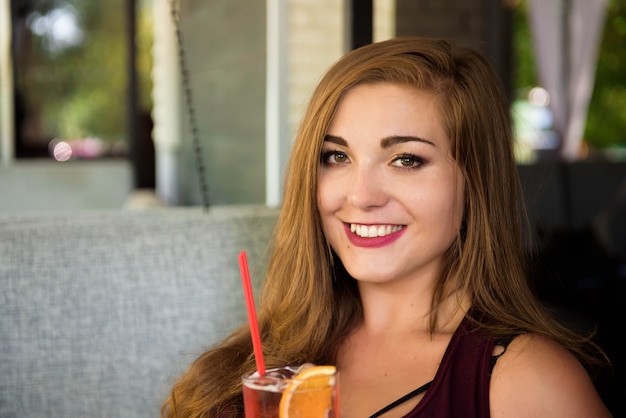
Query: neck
pixel 392 309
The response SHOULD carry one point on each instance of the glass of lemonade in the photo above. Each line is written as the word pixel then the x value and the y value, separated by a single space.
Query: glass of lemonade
pixel 292 392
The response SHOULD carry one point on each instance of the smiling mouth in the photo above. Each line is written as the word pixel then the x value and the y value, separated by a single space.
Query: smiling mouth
pixel 372 231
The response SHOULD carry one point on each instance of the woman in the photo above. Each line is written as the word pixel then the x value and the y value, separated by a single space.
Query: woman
pixel 399 254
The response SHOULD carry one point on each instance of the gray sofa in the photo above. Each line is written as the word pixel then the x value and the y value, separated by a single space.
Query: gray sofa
pixel 100 311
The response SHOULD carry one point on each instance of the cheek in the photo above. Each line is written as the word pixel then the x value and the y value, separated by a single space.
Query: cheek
pixel 325 201
pixel 327 196
pixel 450 201
pixel 455 197
pixel 329 200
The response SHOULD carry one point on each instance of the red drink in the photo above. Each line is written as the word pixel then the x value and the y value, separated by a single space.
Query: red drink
pixel 260 403
pixel 262 396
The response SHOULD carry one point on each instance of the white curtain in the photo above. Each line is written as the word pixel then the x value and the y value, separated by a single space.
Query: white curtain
pixel 566 36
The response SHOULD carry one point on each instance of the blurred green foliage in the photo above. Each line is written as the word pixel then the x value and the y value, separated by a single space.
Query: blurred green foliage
pixel 80 90
pixel 606 121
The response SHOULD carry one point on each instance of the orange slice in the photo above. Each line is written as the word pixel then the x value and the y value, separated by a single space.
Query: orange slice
pixel 309 394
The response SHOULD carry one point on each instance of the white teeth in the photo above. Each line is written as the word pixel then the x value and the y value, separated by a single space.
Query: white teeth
pixel 371 231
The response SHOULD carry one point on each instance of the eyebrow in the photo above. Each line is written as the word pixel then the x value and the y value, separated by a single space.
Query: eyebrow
pixel 336 140
pixel 400 139
pixel 385 142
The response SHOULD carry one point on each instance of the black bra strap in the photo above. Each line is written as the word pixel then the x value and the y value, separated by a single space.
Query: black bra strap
pixel 403 399
pixel 504 343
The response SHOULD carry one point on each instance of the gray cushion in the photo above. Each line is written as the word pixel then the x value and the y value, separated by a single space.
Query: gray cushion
pixel 100 311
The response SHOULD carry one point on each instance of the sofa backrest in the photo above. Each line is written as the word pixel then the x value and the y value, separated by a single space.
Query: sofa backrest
pixel 100 311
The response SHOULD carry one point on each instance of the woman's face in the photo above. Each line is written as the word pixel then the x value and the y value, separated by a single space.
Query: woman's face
pixel 390 195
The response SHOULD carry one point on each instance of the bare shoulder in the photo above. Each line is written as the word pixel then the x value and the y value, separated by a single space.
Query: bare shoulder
pixel 536 377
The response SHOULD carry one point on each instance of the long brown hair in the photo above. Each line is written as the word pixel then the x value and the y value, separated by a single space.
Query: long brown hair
pixel 309 303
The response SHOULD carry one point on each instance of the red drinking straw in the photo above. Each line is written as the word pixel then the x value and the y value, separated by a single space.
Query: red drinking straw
pixel 254 326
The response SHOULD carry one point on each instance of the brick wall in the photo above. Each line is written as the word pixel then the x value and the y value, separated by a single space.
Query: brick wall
pixel 316 40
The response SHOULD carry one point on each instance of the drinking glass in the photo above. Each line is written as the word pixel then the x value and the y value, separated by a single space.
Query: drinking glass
pixel 262 396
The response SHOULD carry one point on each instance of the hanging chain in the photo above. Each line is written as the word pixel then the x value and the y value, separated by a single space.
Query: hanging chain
pixel 204 188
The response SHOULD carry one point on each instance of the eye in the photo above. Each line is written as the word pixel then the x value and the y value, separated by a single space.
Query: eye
pixel 408 161
pixel 334 157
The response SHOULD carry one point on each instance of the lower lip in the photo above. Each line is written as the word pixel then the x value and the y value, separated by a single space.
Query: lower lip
pixel 373 242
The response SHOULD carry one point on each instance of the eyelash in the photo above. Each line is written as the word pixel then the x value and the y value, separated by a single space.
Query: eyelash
pixel 414 160
pixel 327 154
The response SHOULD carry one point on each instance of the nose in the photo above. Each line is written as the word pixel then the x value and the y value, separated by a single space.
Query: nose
pixel 367 189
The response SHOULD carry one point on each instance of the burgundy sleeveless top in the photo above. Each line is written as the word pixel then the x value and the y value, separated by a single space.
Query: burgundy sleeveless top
pixel 461 386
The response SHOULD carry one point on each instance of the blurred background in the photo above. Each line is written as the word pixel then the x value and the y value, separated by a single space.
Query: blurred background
pixel 122 103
